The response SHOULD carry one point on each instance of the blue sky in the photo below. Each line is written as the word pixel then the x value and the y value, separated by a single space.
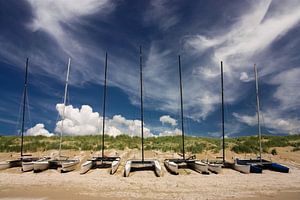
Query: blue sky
pixel 239 33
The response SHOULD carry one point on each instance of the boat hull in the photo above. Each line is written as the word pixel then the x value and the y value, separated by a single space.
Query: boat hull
pixel 242 168
pixel 277 167
pixel 145 165
pixel 157 168
pixel 4 165
pixel 10 163
pixel 171 166
pixel 199 166
pixel 69 165
pixel 216 168
pixel 114 165
pixel 127 168
pixel 27 166
pixel 40 165
pixel 86 166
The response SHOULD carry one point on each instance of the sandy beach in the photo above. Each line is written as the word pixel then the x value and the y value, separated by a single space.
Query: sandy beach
pixel 99 184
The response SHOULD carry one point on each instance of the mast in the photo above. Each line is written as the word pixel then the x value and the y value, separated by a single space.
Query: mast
pixel 104 103
pixel 64 110
pixel 24 103
pixel 223 128
pixel 142 108
pixel 181 104
pixel 258 112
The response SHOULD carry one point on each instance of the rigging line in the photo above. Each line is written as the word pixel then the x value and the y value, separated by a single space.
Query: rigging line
pixel 29 123
pixel 64 108
pixel 18 125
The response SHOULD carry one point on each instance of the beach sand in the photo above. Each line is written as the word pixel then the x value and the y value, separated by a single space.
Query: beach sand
pixel 99 184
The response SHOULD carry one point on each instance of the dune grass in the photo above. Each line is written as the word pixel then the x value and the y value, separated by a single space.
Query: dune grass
pixel 248 144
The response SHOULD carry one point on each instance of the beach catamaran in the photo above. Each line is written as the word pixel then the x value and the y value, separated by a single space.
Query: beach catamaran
pixel 102 161
pixel 61 161
pixel 143 163
pixel 173 165
pixel 25 162
pixel 216 165
pixel 258 164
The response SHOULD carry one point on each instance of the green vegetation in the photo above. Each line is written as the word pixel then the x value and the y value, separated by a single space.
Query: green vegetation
pixel 250 144
pixel 247 144
pixel 274 152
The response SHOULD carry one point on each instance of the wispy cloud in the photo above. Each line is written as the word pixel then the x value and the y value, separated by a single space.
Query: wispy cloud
pixel 163 13
pixel 272 120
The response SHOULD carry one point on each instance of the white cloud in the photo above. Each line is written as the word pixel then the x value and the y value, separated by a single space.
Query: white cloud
pixel 287 92
pixel 244 77
pixel 39 129
pixel 252 33
pixel 86 122
pixel 273 121
pixel 161 12
pixel 239 46
pixel 166 119
pixel 174 132
pixel 52 15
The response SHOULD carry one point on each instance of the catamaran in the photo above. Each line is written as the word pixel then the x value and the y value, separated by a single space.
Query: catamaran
pixel 64 162
pixel 102 161
pixel 173 165
pixel 143 163
pixel 216 165
pixel 258 164
pixel 25 161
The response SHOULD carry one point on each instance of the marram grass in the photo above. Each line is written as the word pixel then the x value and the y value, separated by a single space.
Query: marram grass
pixel 247 144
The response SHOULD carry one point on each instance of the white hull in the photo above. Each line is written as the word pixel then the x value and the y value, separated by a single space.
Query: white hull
pixel 86 166
pixel 127 168
pixel 27 166
pixel 68 166
pixel 4 165
pixel 157 168
pixel 171 166
pixel 199 166
pixel 242 168
pixel 114 165
pixel 154 164
pixel 10 163
pixel 40 165
pixel 216 168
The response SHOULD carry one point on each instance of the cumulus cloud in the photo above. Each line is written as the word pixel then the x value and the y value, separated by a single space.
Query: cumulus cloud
pixel 86 122
pixel 166 119
pixel 39 129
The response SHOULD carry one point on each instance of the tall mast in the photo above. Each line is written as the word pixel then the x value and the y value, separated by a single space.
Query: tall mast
pixel 142 108
pixel 181 103
pixel 104 103
pixel 24 103
pixel 222 94
pixel 258 111
pixel 65 100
